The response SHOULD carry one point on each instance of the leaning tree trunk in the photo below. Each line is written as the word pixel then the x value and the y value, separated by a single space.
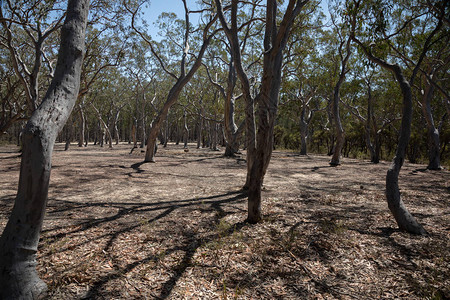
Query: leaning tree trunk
pixel 19 241
pixel 404 219
pixel 401 214
pixel 176 89
pixel 172 98
pixel 162 115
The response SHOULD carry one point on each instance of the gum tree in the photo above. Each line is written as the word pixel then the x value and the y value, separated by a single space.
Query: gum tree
pixel 19 241
pixel 276 35
pixel 184 75
pixel 384 32
pixel 27 28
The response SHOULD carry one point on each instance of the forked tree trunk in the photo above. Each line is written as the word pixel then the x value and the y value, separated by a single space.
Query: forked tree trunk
pixel 104 129
pixel 275 39
pixel 267 100
pixel 19 241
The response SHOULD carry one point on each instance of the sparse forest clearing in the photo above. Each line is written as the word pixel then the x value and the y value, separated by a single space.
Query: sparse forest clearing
pixel 119 229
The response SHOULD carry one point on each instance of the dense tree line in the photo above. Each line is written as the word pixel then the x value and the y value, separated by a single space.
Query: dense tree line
pixel 367 79
pixel 325 75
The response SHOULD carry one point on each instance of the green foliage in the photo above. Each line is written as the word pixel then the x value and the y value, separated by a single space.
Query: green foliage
pixel 122 76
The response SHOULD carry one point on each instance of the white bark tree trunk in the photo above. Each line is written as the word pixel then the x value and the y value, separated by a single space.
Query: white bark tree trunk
pixel 19 241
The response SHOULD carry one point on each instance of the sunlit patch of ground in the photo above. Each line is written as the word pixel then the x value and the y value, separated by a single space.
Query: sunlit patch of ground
pixel 119 229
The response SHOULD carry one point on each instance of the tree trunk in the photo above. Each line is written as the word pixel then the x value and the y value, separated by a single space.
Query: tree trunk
pixel 185 131
pixel 156 125
pixel 340 137
pixel 250 133
pixel 162 115
pixel 143 134
pixel 275 39
pixel 377 157
pixel 199 132
pixel 199 128
pixel 115 127
pixel 82 125
pixel 404 219
pixel 401 214
pixel 231 130
pixel 175 91
pixel 19 241
pixel 212 136
pixel 104 129
pixel 303 132
pixel 177 133
pixel 434 162
pixel 68 135
pixel 166 133
pixel 372 149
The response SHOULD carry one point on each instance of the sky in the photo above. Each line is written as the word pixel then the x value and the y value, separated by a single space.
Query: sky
pixel 156 7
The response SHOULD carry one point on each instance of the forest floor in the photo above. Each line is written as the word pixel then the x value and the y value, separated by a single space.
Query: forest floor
pixel 119 229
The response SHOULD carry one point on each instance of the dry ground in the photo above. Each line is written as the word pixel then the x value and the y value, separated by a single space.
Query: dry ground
pixel 119 229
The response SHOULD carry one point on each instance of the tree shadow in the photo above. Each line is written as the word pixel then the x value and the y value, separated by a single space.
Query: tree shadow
pixel 192 240
pixel 137 167
pixel 10 157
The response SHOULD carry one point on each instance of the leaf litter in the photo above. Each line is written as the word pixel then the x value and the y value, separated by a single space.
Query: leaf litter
pixel 116 228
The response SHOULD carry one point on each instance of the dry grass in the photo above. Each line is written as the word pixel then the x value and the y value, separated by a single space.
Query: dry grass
pixel 119 229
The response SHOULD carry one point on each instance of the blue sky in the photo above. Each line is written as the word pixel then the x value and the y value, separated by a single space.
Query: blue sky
pixel 156 7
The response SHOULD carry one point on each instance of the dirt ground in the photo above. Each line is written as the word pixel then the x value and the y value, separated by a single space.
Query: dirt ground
pixel 119 229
